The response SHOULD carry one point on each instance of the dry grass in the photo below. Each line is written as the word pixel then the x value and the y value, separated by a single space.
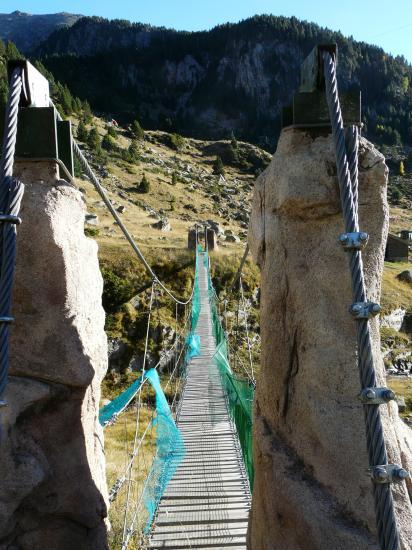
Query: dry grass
pixel 118 447
pixel 395 293
pixel 403 388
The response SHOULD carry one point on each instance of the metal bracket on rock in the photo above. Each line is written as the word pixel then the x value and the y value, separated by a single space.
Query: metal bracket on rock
pixel 388 473
pixel 376 396
pixel 354 241
pixel 364 310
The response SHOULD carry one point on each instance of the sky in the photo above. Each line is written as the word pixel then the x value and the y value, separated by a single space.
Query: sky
pixel 385 23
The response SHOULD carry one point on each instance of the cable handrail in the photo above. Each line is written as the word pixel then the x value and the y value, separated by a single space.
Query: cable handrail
pixel 102 192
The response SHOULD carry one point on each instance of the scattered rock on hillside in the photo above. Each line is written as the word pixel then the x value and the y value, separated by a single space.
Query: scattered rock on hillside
pixel 405 276
pixel 162 225
pixel 91 219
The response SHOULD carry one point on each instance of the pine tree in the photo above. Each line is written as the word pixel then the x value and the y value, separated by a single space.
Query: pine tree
pixel 108 143
pixel 218 167
pixel 93 139
pixel 82 133
pixel 133 151
pixel 137 130
pixel 87 112
pixel 144 186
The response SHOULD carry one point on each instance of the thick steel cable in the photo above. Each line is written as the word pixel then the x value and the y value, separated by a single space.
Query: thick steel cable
pixel 138 405
pixel 99 188
pixel 11 194
pixel 384 507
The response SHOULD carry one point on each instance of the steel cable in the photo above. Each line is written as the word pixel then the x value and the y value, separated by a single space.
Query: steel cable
pixel 11 194
pixel 347 169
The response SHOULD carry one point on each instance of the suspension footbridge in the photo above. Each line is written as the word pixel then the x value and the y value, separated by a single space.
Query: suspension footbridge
pixel 206 504
pixel 190 487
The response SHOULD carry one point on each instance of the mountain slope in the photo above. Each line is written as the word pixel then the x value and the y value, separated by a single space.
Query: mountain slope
pixel 27 30
pixel 234 77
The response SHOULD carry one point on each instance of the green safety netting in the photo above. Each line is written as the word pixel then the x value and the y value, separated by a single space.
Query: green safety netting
pixel 170 450
pixel 114 408
pixel 110 411
pixel 240 392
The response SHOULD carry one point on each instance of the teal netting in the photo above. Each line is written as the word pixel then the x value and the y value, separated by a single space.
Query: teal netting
pixel 110 411
pixel 196 304
pixel 240 392
pixel 170 450
pixel 193 346
pixel 119 404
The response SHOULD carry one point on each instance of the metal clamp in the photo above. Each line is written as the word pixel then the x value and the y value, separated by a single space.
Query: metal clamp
pixel 354 241
pixel 388 473
pixel 6 319
pixel 376 396
pixel 8 218
pixel 364 310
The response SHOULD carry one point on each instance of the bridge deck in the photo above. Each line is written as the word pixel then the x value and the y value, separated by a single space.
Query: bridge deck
pixel 207 502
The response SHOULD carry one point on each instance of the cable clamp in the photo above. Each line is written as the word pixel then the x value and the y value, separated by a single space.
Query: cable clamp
pixel 5 319
pixel 8 218
pixel 376 396
pixel 354 241
pixel 364 310
pixel 388 473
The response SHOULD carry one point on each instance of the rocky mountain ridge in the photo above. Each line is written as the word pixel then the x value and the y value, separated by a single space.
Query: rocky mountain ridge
pixel 27 30
pixel 235 77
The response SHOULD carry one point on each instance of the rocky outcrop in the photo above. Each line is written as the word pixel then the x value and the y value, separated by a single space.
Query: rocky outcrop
pixel 53 488
pixel 312 489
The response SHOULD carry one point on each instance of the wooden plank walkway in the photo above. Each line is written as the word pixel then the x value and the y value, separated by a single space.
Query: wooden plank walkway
pixel 207 502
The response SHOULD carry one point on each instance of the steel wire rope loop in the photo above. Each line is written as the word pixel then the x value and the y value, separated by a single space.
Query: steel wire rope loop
pixel 138 405
pixel 384 508
pixel 11 194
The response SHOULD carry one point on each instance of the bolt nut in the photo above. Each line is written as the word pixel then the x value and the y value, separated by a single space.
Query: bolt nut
pixel 3 403
pixel 380 473
pixel 355 308
pixel 370 394
pixel 388 395
pixel 363 236
pixel 343 238
pixel 401 474
pixel 376 308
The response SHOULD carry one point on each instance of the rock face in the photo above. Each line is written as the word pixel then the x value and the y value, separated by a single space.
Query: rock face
pixel 53 490
pixel 312 490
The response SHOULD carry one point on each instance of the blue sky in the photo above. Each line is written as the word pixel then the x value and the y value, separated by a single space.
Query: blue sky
pixel 382 22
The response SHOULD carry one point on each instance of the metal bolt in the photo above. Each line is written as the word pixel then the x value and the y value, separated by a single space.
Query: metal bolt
pixel 363 236
pixel 343 238
pixel 356 308
pixel 370 394
pixel 376 308
pixel 389 395
pixel 3 403
pixel 401 474
pixel 380 473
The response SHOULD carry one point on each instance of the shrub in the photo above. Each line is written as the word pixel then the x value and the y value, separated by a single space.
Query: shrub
pixel 93 139
pixel 174 177
pixel 111 131
pixel 176 142
pixel 116 291
pixel 108 143
pixel 144 186
pixel 218 167
pixel 137 130
pixel 82 133
pixel 91 232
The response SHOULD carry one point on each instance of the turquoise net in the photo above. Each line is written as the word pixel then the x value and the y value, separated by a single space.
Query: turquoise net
pixel 240 392
pixel 170 450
